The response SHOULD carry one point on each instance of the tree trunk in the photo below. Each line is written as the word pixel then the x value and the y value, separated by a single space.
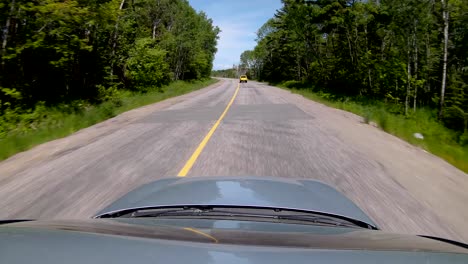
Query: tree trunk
pixel 155 26
pixel 445 15
pixel 178 71
pixel 415 45
pixel 408 78
pixel 350 47
pixel 6 31
pixel 368 66
pixel 429 63
pixel 298 61
pixel 114 41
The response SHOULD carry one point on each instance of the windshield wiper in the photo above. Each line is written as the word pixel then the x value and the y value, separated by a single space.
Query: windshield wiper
pixel 319 220
pixel 187 211
pixel 247 213
pixel 271 216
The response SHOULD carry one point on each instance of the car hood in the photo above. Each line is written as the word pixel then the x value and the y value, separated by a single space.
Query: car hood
pixel 218 241
pixel 298 194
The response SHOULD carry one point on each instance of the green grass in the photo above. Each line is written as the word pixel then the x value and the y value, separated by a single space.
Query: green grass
pixel 438 139
pixel 27 130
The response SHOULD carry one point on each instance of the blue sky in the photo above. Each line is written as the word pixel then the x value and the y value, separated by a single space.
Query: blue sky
pixel 238 21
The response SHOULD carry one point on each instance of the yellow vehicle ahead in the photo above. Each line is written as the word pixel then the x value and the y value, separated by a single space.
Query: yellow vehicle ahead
pixel 243 79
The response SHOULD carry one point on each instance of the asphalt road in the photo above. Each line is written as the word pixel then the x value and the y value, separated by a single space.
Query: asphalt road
pixel 266 132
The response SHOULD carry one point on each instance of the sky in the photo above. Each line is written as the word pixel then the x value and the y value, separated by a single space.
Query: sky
pixel 239 21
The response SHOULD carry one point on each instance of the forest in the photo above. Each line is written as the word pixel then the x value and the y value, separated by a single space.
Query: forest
pixel 225 73
pixel 411 55
pixel 66 65
pixel 55 51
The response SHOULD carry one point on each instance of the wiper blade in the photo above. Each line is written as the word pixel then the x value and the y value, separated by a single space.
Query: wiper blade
pixel 210 212
pixel 248 213
pixel 319 220
pixel 166 212
pixel 194 212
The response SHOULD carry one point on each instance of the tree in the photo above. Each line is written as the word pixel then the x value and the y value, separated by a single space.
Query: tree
pixel 56 51
pixel 445 14
pixel 388 50
pixel 146 66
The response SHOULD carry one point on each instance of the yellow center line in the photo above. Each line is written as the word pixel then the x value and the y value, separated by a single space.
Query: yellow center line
pixel 188 165
pixel 201 233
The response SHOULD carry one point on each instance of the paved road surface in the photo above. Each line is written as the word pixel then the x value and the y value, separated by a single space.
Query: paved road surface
pixel 266 132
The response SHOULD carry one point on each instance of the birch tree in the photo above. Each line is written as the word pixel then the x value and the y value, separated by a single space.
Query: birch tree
pixel 445 17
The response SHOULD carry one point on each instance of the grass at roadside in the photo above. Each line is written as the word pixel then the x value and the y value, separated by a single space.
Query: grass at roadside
pixel 438 139
pixel 48 123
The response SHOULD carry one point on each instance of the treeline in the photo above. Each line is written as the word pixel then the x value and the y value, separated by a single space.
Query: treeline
pixel 225 73
pixel 411 53
pixel 55 51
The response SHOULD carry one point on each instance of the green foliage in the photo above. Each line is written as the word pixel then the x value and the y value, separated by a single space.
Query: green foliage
pixel 146 66
pixel 58 51
pixel 12 93
pixel 226 73
pixel 455 114
pixel 108 93
pixel 293 84
pixel 464 138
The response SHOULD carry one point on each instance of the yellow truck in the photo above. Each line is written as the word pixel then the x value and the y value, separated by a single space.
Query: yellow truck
pixel 243 79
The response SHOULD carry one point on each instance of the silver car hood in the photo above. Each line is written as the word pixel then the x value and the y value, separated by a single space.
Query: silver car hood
pixel 298 194
pixel 202 241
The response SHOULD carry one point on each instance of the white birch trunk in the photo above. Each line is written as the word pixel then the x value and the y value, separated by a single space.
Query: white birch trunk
pixel 445 15
pixel 7 28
